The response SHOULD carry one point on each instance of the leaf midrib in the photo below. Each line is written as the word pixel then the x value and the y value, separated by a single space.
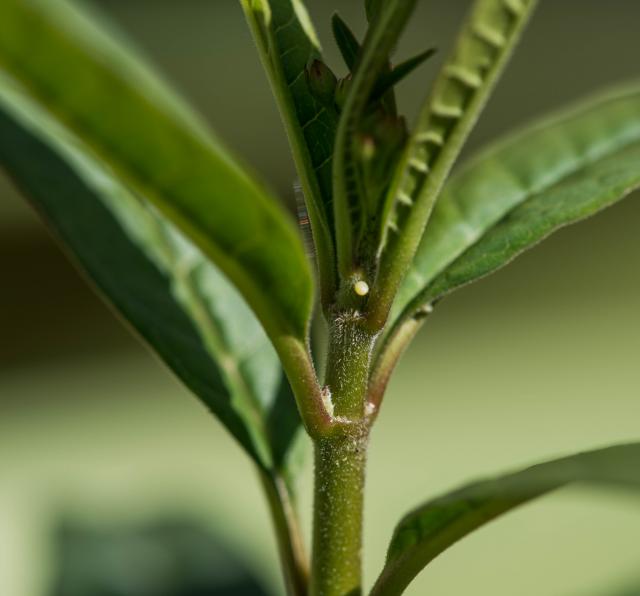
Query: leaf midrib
pixel 208 329
pixel 130 171
pixel 213 338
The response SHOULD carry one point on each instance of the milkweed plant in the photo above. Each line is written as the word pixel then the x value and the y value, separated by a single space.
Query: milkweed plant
pixel 211 270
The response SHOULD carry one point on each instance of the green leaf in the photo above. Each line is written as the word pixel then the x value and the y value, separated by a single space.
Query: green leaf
pixel 517 192
pixel 136 125
pixel 166 289
pixel 390 79
pixel 463 86
pixel 348 44
pixel 287 45
pixel 356 247
pixel 432 528
pixel 163 285
pixel 372 8
pixel 628 588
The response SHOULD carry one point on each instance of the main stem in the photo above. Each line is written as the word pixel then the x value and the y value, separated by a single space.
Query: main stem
pixel 337 522
pixel 340 460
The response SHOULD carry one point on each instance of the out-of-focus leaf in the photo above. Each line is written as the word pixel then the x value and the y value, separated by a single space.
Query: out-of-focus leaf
pixel 432 528
pixel 288 44
pixel 629 588
pixel 107 97
pixel 162 284
pixel 164 557
pixel 462 88
pixel 517 192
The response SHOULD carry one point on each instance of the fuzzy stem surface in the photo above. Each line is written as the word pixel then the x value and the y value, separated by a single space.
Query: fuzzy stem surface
pixel 340 460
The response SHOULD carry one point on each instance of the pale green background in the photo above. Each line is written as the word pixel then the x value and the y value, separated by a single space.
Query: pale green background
pixel 539 360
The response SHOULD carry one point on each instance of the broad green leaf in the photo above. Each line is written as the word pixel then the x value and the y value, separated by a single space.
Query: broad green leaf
pixel 462 88
pixel 432 528
pixel 160 282
pixel 357 246
pixel 135 124
pixel 288 44
pixel 512 195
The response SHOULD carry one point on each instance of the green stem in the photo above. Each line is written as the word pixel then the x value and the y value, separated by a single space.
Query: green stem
pixel 389 351
pixel 295 566
pixel 298 366
pixel 340 458
pixel 338 504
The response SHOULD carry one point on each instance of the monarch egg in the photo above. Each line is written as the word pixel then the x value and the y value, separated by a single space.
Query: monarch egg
pixel 361 288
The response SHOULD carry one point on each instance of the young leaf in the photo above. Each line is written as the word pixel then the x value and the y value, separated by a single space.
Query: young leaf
pixel 390 79
pixel 521 189
pixel 288 45
pixel 432 528
pixel 463 86
pixel 352 213
pixel 348 44
pixel 160 282
pixel 372 8
pixel 124 114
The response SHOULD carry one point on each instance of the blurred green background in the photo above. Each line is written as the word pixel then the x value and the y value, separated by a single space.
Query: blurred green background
pixel 539 360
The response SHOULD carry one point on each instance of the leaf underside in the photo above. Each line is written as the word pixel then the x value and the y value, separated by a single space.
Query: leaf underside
pixel 288 44
pixel 317 123
pixel 162 284
pixel 123 112
pixel 432 528
pixel 144 196
pixel 520 190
